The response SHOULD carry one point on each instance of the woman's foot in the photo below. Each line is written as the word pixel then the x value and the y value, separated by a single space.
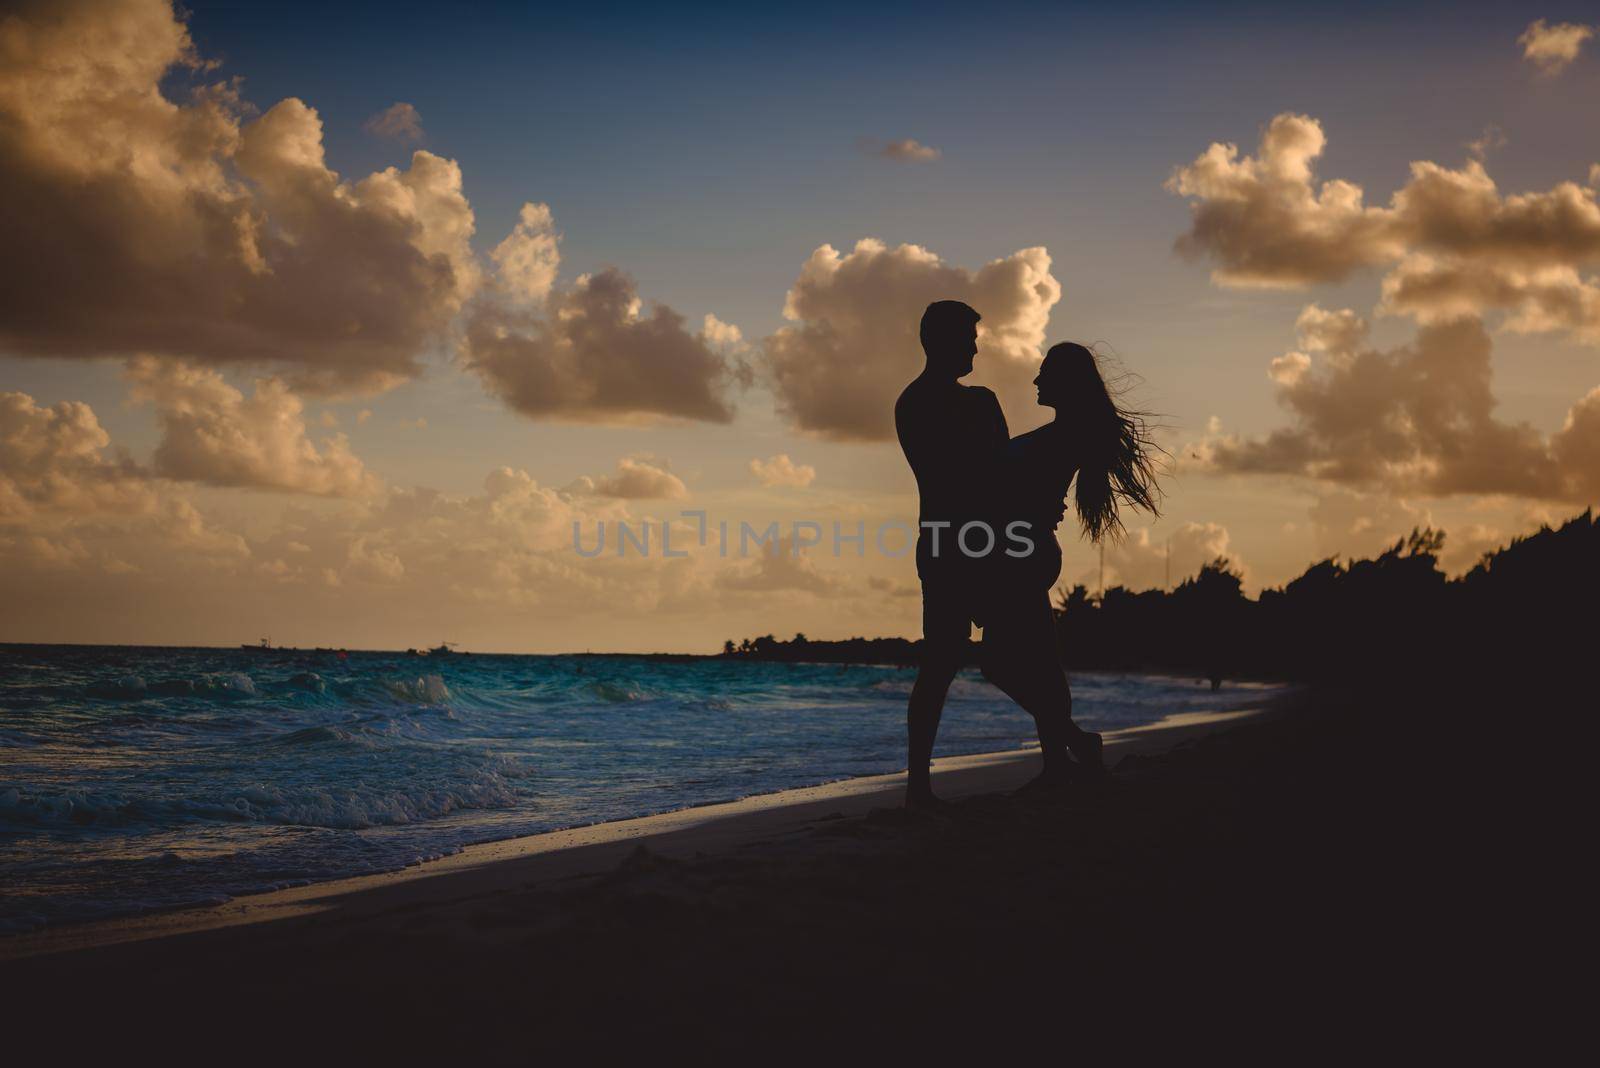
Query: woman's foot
pixel 923 799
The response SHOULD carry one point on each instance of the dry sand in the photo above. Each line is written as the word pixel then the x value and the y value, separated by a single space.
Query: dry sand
pixel 1233 881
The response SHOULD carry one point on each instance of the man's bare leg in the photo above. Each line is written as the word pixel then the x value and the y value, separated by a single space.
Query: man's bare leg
pixel 923 712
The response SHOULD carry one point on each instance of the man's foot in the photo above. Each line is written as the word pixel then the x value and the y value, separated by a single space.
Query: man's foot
pixel 922 799
pixel 1088 749
pixel 1049 784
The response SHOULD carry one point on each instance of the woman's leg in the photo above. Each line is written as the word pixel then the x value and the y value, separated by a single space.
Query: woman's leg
pixel 1021 658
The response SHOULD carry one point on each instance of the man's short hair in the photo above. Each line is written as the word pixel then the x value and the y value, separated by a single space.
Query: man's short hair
pixel 945 317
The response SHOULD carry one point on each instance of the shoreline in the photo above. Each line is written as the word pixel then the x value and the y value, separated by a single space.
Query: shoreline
pixel 556 856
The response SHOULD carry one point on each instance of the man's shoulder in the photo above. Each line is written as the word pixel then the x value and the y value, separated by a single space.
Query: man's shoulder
pixel 923 400
pixel 921 393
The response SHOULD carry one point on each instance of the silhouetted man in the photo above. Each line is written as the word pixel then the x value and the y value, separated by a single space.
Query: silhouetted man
pixel 953 436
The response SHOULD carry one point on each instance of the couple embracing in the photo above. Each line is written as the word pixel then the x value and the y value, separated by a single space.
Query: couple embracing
pixel 987 550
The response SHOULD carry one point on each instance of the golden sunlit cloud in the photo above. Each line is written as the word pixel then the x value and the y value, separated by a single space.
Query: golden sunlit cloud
pixel 54 461
pixel 213 433
pixel 190 229
pixel 636 478
pixel 853 344
pixel 779 470
pixel 593 354
pixel 1553 48
pixel 1417 419
pixel 1459 246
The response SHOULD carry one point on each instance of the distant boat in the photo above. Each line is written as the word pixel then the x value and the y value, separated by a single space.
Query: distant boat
pixel 442 649
pixel 264 643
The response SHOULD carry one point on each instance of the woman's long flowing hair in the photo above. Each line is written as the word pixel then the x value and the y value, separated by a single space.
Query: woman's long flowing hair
pixel 1118 461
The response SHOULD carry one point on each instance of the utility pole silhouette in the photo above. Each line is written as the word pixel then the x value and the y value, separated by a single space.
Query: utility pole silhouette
pixel 1168 585
pixel 1102 571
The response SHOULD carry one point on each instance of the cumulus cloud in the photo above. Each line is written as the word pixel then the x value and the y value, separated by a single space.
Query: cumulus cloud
pixel 211 432
pixel 726 335
pixel 1552 48
pixel 529 258
pixel 397 122
pixel 636 478
pixel 1458 245
pixel 595 354
pixel 779 470
pixel 1417 419
pixel 188 228
pixel 1330 331
pixel 851 345
pixel 184 527
pixel 1576 447
pixel 905 150
pixel 1434 289
pixel 56 460
pixel 1265 221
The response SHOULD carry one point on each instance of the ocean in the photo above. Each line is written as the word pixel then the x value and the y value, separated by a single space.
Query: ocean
pixel 141 778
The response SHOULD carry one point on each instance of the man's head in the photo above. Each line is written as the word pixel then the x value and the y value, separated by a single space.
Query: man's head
pixel 950 337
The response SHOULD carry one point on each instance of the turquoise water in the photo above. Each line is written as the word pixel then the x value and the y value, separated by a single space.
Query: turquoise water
pixel 133 779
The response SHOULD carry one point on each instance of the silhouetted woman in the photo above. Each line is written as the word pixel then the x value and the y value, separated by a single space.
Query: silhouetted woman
pixel 1106 450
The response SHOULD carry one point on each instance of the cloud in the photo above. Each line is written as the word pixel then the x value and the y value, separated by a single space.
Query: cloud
pixel 397 122
pixel 1492 139
pixel 636 478
pixel 890 588
pixel 784 569
pixel 183 526
pixel 373 563
pixel 1140 560
pixel 1576 447
pixel 1265 222
pixel 530 256
pixel 1354 525
pixel 55 461
pixel 1417 419
pixel 716 332
pixel 1552 48
pixel 191 229
pixel 596 355
pixel 905 150
pixel 213 433
pixel 1432 289
pixel 1458 245
pixel 851 345
pixel 779 470
pixel 1330 331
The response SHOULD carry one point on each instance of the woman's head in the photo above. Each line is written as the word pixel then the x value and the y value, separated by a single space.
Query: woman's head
pixel 1111 445
pixel 1069 379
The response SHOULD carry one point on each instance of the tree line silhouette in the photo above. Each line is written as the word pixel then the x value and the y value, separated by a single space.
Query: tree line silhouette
pixel 1526 608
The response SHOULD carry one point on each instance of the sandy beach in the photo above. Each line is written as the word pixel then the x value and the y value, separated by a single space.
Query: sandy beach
pixel 1258 859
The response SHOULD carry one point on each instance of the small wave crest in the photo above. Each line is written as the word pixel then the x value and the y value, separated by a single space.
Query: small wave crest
pixel 424 690
pixel 618 691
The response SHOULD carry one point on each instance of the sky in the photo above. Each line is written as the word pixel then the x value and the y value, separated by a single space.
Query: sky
pixel 329 323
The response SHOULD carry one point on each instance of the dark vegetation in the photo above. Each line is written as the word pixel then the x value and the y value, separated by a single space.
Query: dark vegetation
pixel 1397 612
